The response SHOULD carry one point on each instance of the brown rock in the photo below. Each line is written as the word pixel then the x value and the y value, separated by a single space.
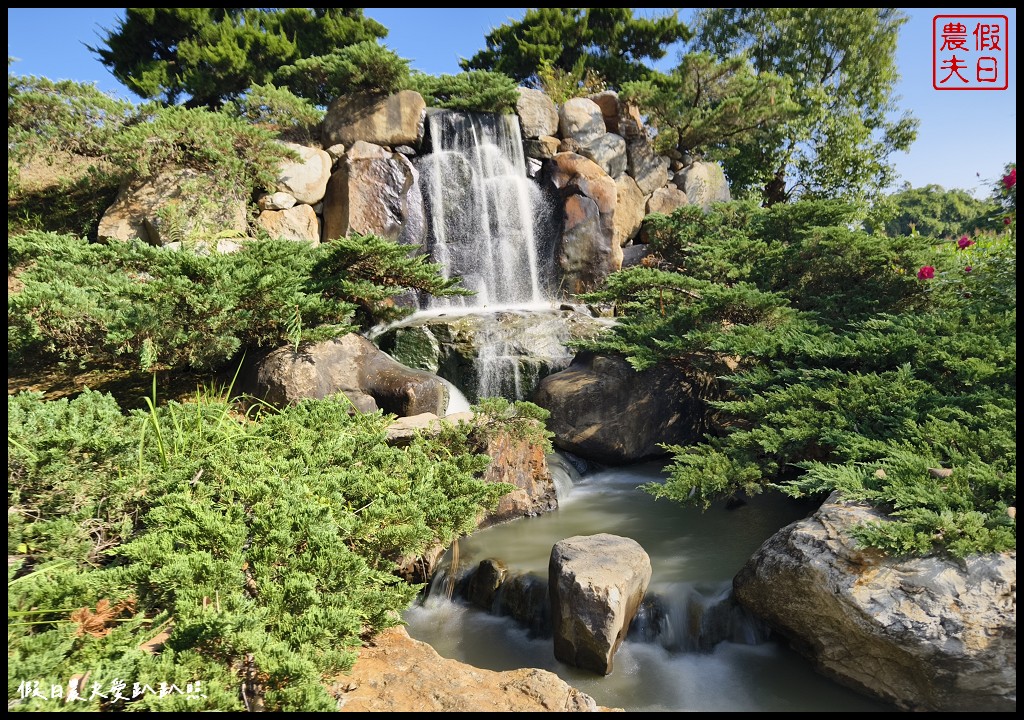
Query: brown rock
pixel 383 120
pixel 398 674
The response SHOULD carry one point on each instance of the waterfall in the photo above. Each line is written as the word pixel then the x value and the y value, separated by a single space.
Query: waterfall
pixel 693 617
pixel 457 402
pixel 480 206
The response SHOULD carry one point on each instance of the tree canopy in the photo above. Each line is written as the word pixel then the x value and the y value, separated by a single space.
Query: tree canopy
pixel 609 41
pixel 842 63
pixel 932 211
pixel 206 56
pixel 709 106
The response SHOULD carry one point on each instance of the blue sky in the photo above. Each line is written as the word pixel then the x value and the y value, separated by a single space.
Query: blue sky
pixel 964 140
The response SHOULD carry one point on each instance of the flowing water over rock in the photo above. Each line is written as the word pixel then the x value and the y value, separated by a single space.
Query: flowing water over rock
pixel 488 225
pixel 490 352
pixel 689 649
pixel 481 208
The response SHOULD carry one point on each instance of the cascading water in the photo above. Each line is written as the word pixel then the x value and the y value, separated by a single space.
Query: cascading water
pixel 488 225
pixel 692 647
pixel 480 206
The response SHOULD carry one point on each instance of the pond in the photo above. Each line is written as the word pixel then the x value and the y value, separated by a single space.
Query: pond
pixel 663 665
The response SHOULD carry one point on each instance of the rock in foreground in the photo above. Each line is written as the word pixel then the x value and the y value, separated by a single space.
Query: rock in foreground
pixel 399 674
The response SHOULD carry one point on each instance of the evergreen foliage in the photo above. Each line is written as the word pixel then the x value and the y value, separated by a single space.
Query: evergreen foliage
pixel 48 121
pixel 230 154
pixel 711 108
pixel 610 41
pixel 934 212
pixel 561 85
pixel 472 91
pixel 520 420
pixel 235 156
pixel 46 117
pixel 207 56
pixel 279 110
pixel 126 303
pixel 836 366
pixel 264 549
pixel 364 67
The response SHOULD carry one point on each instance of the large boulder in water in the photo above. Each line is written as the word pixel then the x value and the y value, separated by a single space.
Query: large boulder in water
pixel 351 365
pixel 927 634
pixel 596 585
pixel 604 410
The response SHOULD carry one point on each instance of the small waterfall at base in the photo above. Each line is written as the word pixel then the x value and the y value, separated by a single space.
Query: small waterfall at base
pixel 686 617
pixel 691 648
pixel 564 474
pixel 480 207
pixel 457 402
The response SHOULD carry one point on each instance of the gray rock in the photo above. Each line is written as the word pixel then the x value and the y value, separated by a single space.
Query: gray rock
pixel 608 101
pixel 383 120
pixel 704 184
pixel 537 113
pixel 666 199
pixel 544 147
pixel 929 634
pixel 608 151
pixel 588 251
pixel 276 201
pixel 163 210
pixel 596 584
pixel 581 120
pixel 298 223
pixel 373 191
pixel 603 409
pixel 629 209
pixel 306 178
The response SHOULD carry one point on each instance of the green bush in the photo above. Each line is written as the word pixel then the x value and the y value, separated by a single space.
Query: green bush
pixel 561 85
pixel 126 303
pixel 805 250
pixel 279 110
pixel 835 364
pixel 44 117
pixel 931 211
pixel 472 91
pixel 365 67
pixel 234 156
pixel 265 549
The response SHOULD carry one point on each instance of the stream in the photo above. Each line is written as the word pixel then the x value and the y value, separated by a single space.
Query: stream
pixel 666 663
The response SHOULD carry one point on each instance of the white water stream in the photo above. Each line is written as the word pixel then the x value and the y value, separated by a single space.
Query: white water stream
pixel 480 207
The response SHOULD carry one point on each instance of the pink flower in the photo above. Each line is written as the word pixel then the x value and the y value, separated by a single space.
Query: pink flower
pixel 1007 220
pixel 926 273
pixel 1010 179
pixel 964 242
pixel 967 269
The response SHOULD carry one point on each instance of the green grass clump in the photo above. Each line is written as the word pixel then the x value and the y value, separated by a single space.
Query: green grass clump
pixel 259 551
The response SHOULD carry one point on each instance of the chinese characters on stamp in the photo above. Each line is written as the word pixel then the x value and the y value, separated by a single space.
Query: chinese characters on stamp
pixel 970 52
